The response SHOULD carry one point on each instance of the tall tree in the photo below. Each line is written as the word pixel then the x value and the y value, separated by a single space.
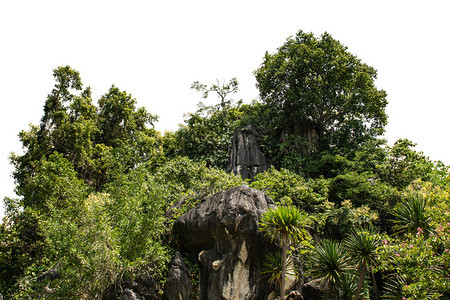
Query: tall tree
pixel 315 88
pixel 208 132
pixel 61 126
pixel 100 142
pixel 222 90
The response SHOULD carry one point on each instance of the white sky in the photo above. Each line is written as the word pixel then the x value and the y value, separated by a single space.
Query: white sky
pixel 156 49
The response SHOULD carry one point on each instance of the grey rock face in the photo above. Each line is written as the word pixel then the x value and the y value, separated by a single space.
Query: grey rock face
pixel 314 289
pixel 223 231
pixel 51 274
pixel 245 157
pixel 143 287
pixel 178 284
pixel 130 295
pixel 294 295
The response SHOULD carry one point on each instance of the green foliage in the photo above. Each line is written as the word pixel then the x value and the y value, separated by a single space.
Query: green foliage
pixel 21 245
pixel 208 132
pixel 257 114
pixel 53 183
pixel 314 88
pixel 286 187
pixel 327 165
pixel 222 90
pixel 206 136
pixel 52 189
pixel 361 245
pixel 404 165
pixel 100 143
pixel 286 225
pixel 411 216
pixel 421 261
pixel 137 211
pixel 337 221
pixel 145 202
pixel 362 189
pixel 329 262
pixel 194 270
pixel 77 149
pixel 104 238
pixel 365 191
pixel 83 246
pixel 119 120
pixel 272 267
pixel 393 287
pixel 185 182
pixel 348 287
pixel 78 243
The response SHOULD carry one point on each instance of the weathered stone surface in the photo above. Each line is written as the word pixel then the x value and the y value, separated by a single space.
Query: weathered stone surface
pixel 223 230
pixel 51 274
pixel 294 295
pixel 143 287
pixel 178 284
pixel 314 289
pixel 129 294
pixel 246 159
pixel 306 133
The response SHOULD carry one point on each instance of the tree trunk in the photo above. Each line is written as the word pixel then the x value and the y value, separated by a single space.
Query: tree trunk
pixel 362 273
pixel 375 287
pixel 284 247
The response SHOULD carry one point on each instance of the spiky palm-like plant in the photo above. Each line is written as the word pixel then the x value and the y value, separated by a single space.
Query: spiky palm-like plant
pixel 411 215
pixel 394 287
pixel 286 225
pixel 347 286
pixel 361 245
pixel 272 267
pixel 329 262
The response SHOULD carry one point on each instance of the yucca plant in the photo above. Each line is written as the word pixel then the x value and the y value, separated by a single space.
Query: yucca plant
pixel 285 225
pixel 347 286
pixel 361 245
pixel 393 288
pixel 272 267
pixel 329 263
pixel 411 216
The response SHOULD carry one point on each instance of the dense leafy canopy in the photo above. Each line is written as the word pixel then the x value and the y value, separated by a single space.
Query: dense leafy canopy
pixel 315 83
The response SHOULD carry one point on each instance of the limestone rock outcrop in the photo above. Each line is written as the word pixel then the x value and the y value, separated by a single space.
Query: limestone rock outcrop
pixel 222 231
pixel 314 289
pixel 178 283
pixel 246 159
pixel 143 287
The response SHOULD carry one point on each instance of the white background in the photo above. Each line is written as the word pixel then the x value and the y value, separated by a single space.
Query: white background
pixel 156 49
